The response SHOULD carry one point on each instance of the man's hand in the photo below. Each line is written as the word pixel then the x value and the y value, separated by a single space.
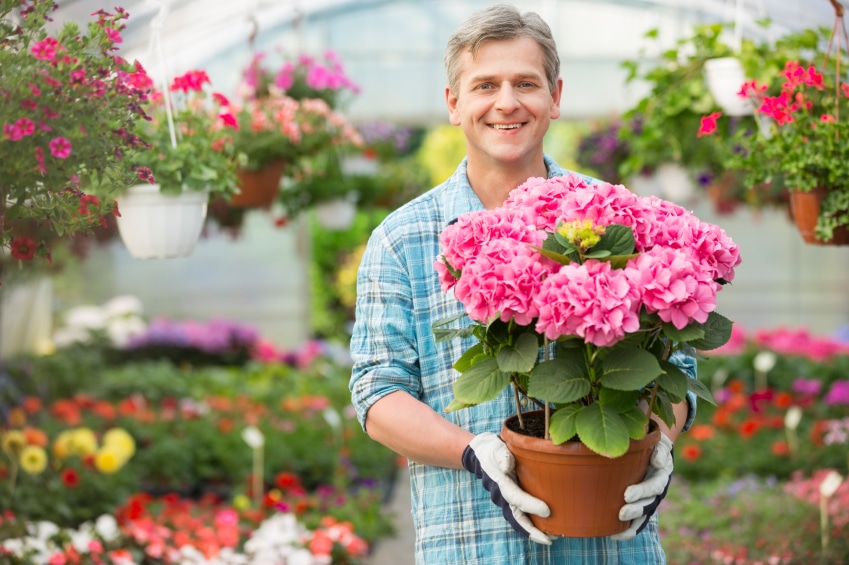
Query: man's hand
pixel 642 499
pixel 488 458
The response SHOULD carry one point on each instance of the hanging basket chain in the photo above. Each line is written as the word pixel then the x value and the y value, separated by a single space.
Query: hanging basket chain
pixel 156 25
pixel 838 30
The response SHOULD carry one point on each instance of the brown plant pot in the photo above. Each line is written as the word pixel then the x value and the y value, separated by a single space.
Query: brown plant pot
pixel 583 490
pixel 805 208
pixel 258 188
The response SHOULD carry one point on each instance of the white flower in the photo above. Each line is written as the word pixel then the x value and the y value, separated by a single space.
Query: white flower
pixel 87 317
pixel 107 528
pixel 120 330
pixel 253 437
pixel 764 361
pixel 123 305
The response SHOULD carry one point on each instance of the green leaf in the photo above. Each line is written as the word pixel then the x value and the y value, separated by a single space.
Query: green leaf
pixel 663 408
pixel 440 335
pixel 446 321
pixel 689 332
pixel 602 429
pixel 553 255
pixel 466 360
pixel 629 369
pixel 455 405
pixel 619 261
pixel 521 357
pixel 717 330
pixel 617 240
pixel 481 383
pixel 622 400
pixel 700 390
pixel 562 426
pixel 560 380
pixel 636 421
pixel 673 381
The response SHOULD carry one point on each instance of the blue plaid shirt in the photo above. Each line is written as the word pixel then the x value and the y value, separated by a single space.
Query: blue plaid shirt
pixel 393 348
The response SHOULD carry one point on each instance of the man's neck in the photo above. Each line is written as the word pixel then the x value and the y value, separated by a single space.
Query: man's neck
pixel 493 184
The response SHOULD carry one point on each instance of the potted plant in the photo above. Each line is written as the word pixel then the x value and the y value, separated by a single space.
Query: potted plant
pixel 668 119
pixel 189 156
pixel 67 98
pixel 578 297
pixel 802 145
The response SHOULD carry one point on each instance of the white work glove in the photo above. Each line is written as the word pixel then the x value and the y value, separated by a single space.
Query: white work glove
pixel 488 458
pixel 642 499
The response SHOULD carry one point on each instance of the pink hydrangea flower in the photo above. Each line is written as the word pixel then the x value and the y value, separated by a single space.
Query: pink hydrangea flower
pixel 674 285
pixel 592 301
pixel 542 197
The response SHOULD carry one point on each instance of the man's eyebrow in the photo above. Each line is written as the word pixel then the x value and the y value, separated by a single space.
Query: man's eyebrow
pixel 521 76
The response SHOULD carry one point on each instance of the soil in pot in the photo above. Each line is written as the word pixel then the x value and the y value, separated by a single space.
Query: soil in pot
pixel 583 490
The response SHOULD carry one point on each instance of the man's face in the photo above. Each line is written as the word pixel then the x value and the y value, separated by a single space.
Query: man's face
pixel 503 102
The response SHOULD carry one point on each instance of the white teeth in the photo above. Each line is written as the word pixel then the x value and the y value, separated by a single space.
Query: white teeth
pixel 506 126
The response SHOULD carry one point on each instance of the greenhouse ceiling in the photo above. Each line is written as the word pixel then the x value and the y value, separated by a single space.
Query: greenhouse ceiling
pixel 393 48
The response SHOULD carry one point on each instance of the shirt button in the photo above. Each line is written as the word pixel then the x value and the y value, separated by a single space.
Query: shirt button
pixel 524 401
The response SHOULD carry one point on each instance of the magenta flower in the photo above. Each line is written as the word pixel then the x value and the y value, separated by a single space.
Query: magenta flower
pixel 45 49
pixel 113 34
pixel 807 387
pixel 838 393
pixel 542 197
pixel 60 147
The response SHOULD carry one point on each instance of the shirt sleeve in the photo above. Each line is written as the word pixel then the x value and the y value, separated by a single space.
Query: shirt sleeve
pixel 687 363
pixel 383 343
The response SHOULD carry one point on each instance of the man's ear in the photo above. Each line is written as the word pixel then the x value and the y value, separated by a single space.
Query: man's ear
pixel 451 102
pixel 555 99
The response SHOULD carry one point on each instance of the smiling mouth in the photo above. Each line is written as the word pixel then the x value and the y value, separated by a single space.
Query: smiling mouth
pixel 506 126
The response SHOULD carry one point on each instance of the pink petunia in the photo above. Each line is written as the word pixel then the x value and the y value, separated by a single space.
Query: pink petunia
pixel 60 147
pixel 45 49
pixel 229 120
pixel 113 34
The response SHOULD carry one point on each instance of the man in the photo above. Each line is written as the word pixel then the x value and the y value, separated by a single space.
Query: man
pixel 503 91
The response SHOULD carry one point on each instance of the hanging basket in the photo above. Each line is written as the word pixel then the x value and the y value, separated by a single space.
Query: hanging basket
pixel 155 225
pixel 725 77
pixel 805 208
pixel 337 214
pixel 258 189
pixel 583 490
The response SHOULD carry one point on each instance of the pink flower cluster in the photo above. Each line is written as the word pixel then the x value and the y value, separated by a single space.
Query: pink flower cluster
pixel 491 261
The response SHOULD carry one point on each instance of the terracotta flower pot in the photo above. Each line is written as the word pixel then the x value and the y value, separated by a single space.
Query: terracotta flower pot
pixel 258 188
pixel 584 490
pixel 805 207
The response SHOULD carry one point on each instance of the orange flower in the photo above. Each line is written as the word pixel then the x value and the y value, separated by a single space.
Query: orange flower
pixel 736 386
pixel 35 436
pixel 783 399
pixel 691 453
pixel 702 432
pixel 780 448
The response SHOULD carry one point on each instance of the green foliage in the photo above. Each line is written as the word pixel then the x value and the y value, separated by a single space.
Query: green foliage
pixel 41 182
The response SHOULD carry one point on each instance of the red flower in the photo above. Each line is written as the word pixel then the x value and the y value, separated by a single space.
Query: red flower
pixel 70 478
pixel 691 453
pixel 749 428
pixel 23 248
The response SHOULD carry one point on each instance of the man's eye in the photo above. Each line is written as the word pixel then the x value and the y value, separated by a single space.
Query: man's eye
pixel 484 87
pixel 526 84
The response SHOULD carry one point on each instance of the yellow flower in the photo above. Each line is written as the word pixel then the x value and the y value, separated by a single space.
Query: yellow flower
pixel 108 460
pixel 121 441
pixel 82 442
pixel 62 444
pixel 241 502
pixel 13 442
pixel 33 459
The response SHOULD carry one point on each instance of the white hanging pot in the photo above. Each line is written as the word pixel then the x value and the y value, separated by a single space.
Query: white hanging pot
pixel 675 183
pixel 156 225
pixel 725 78
pixel 337 214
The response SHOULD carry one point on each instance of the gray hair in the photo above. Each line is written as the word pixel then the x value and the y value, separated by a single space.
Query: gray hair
pixel 501 22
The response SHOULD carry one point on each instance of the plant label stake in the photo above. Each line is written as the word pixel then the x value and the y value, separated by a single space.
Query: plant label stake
pixel 791 422
pixel 827 489
pixel 256 441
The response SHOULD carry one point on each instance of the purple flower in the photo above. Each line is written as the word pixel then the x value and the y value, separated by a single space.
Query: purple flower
pixel 808 387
